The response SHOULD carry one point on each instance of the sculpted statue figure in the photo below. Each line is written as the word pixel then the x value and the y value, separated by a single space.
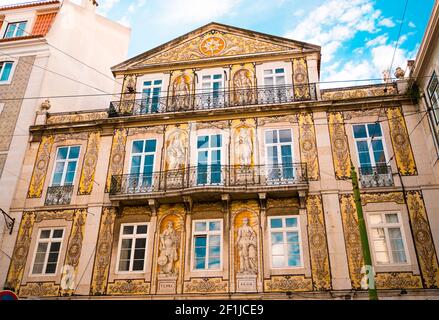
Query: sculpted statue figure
pixel 243 86
pixel 175 152
pixel 168 250
pixel 247 245
pixel 243 147
pixel 181 91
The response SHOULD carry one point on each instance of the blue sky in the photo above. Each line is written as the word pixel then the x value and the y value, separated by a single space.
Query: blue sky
pixel 357 36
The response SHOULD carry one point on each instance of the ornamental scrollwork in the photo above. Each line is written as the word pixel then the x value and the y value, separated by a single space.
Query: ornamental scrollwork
pixel 288 283
pixel 206 285
pixel 308 145
pixel 340 146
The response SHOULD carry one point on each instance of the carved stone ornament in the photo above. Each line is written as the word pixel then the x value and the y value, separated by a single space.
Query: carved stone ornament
pixel 398 280
pixel 78 117
pixel 169 251
pixel 40 168
pixel 378 197
pixel 39 289
pixel 247 249
pixel 206 285
pixel 117 155
pixel 128 287
pixel 89 166
pixel 288 283
pixel 293 119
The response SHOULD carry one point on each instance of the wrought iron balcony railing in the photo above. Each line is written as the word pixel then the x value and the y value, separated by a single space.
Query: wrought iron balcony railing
pixel 58 195
pixel 380 176
pixel 214 100
pixel 205 177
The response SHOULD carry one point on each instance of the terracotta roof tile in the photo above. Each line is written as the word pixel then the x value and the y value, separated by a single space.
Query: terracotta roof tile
pixel 43 23
pixel 28 4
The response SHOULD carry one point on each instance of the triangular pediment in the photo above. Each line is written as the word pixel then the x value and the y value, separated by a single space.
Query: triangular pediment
pixel 215 41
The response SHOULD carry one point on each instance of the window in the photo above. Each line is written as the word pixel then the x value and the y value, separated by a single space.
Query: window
pixel 212 96
pixel 142 162
pixel 387 238
pixel 285 242
pixel 132 247
pixel 207 244
pixel 433 94
pixel 47 251
pixel 65 166
pixel 279 153
pixel 151 96
pixel 5 70
pixel 274 77
pixel 370 147
pixel 209 159
pixel 15 29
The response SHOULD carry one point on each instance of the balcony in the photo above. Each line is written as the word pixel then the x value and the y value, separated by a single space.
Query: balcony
pixel 214 100
pixel 208 181
pixel 373 177
pixel 58 195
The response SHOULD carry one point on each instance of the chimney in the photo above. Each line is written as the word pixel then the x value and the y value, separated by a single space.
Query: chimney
pixel 89 4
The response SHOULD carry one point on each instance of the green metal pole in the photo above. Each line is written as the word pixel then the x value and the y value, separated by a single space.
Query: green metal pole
pixel 363 236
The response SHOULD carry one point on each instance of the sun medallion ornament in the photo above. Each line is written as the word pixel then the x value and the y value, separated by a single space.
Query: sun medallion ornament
pixel 212 46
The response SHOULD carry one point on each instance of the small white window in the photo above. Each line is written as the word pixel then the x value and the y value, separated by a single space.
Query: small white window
pixel 212 90
pixel 279 155
pixel 151 94
pixel 65 166
pixel 15 29
pixel 274 77
pixel 6 71
pixel 370 147
pixel 132 247
pixel 207 244
pixel 285 242
pixel 47 251
pixel 387 238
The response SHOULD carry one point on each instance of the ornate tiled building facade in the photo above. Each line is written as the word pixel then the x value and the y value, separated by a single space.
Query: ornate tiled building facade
pixel 224 171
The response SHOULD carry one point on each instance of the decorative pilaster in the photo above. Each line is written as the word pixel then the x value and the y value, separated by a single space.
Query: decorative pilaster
pixel 40 169
pixel 103 252
pixel 340 146
pixel 308 149
pixel 117 155
pixel 401 142
pixel 423 239
pixel 300 79
pixel 321 273
pixel 89 165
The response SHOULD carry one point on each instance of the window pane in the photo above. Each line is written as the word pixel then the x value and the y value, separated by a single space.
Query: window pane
pixel 216 141
pixel 285 135
pixel 124 265
pixel 376 219
pixel 397 245
pixel 280 70
pixel 271 136
pixel 269 81
pixel 157 82
pixel 392 218
pixel 292 237
pixel 147 83
pixel 200 226
pixel 215 241
pixel 215 225
pixel 268 72
pixel 138 265
pixel 278 261
pixel 150 145
pixel 277 238
pixel 138 146
pixel 51 268
pixel 360 131
pixel 45 234
pixel 142 229
pixel 374 130
pixel 276 223
pixel 203 142
pixel 128 229
pixel 58 233
pixel 62 153
pixel 74 153
pixel 291 222
pixel 7 67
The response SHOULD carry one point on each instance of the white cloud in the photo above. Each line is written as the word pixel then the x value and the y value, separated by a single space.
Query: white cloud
pixel 386 22
pixel 335 22
pixel 380 40
pixel 351 71
pixel 106 5
pixel 412 25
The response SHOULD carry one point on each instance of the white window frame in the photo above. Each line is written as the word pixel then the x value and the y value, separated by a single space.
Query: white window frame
pixel 142 155
pixel 66 161
pixel 284 231
pixel 133 245
pixel 207 233
pixel 11 75
pixel 385 226
pixel 151 94
pixel 49 241
pixel 429 95
pixel 209 150
pixel 279 145
pixel 369 140
pixel 16 29
pixel 274 76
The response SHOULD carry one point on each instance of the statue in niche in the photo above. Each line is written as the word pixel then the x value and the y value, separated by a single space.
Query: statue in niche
pixel 247 245
pixel 243 147
pixel 175 152
pixel 242 84
pixel 168 250
pixel 181 93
